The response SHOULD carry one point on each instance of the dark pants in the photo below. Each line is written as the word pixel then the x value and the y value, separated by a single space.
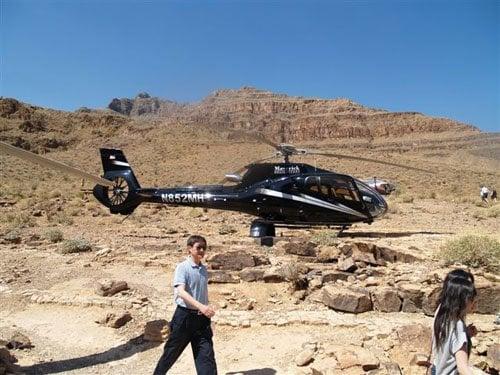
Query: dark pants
pixel 189 327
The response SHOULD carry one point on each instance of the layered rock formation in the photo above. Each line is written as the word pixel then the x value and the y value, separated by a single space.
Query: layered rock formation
pixel 288 119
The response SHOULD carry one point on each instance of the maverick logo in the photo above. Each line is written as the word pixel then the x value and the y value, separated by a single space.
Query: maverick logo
pixel 284 170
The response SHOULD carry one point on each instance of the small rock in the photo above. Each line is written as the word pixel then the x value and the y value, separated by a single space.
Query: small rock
pixel 304 358
pixel 110 287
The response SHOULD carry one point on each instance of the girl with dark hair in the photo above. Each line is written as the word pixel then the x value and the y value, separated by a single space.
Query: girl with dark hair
pixel 456 273
pixel 451 342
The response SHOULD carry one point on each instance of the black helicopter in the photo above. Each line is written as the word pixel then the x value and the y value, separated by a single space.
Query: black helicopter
pixel 282 194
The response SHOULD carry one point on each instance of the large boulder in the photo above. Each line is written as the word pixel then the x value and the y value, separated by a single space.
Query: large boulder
pixel 386 300
pixel 303 248
pixel 347 299
pixel 222 277
pixel 331 276
pixel 347 265
pixel 156 330
pixel 412 296
pixel 488 297
pixel 430 301
pixel 235 260
pixel 493 355
pixel 252 274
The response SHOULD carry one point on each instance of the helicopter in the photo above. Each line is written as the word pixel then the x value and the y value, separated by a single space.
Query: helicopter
pixel 283 194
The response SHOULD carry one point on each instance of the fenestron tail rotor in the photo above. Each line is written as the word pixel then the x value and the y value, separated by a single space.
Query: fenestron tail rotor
pixel 119 192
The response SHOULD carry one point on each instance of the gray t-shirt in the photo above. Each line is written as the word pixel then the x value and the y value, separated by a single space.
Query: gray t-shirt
pixel 195 280
pixel 444 358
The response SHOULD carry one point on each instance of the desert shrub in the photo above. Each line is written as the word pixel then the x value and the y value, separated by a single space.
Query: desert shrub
pixel 473 251
pixel 19 219
pixel 13 236
pixel 54 235
pixel 291 272
pixel 325 237
pixel 78 245
pixel 59 217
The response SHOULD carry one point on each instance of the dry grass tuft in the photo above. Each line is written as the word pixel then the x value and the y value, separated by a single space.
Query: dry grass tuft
pixel 54 235
pixel 473 251
pixel 325 237
pixel 78 245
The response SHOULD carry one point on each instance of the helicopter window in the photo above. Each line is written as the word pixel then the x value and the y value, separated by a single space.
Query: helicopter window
pixel 314 188
pixel 325 190
pixel 312 184
pixel 337 187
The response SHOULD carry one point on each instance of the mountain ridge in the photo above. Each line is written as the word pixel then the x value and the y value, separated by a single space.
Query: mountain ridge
pixel 287 118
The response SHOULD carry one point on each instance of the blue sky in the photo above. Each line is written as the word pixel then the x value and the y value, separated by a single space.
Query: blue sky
pixel 441 58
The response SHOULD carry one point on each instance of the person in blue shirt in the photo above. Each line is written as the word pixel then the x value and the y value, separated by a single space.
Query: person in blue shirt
pixel 191 320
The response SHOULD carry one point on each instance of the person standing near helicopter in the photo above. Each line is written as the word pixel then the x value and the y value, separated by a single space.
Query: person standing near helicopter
pixel 191 320
pixel 484 194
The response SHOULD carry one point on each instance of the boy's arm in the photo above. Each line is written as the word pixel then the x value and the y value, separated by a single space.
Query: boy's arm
pixel 204 309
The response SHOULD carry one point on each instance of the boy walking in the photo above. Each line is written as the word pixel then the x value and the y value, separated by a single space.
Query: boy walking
pixel 191 320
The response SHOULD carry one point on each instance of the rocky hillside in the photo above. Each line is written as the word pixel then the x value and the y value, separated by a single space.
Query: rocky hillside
pixel 288 119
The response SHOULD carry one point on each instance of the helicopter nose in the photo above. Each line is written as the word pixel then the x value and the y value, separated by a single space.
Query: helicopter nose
pixel 376 205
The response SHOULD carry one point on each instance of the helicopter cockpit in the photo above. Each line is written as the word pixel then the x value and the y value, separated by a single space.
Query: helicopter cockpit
pixel 349 191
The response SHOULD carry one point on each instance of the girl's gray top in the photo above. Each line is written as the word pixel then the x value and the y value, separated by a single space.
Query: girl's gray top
pixel 444 358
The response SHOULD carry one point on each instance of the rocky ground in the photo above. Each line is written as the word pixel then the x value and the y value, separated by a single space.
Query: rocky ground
pixel 83 291
pixel 313 303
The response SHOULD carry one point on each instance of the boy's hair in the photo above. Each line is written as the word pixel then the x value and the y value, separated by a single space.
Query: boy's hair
pixel 196 239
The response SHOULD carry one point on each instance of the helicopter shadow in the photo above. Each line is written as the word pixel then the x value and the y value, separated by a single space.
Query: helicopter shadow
pixel 389 234
pixel 128 349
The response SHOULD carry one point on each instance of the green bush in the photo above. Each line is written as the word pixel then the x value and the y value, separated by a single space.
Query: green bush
pixel 54 235
pixel 473 251
pixel 78 245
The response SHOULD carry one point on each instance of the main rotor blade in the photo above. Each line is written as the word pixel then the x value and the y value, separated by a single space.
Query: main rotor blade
pixel 34 158
pixel 255 135
pixel 342 156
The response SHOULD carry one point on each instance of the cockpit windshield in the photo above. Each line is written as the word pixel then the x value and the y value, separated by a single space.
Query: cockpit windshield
pixel 374 201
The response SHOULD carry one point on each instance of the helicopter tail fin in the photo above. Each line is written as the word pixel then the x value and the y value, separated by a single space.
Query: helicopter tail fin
pixel 114 163
pixel 123 197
